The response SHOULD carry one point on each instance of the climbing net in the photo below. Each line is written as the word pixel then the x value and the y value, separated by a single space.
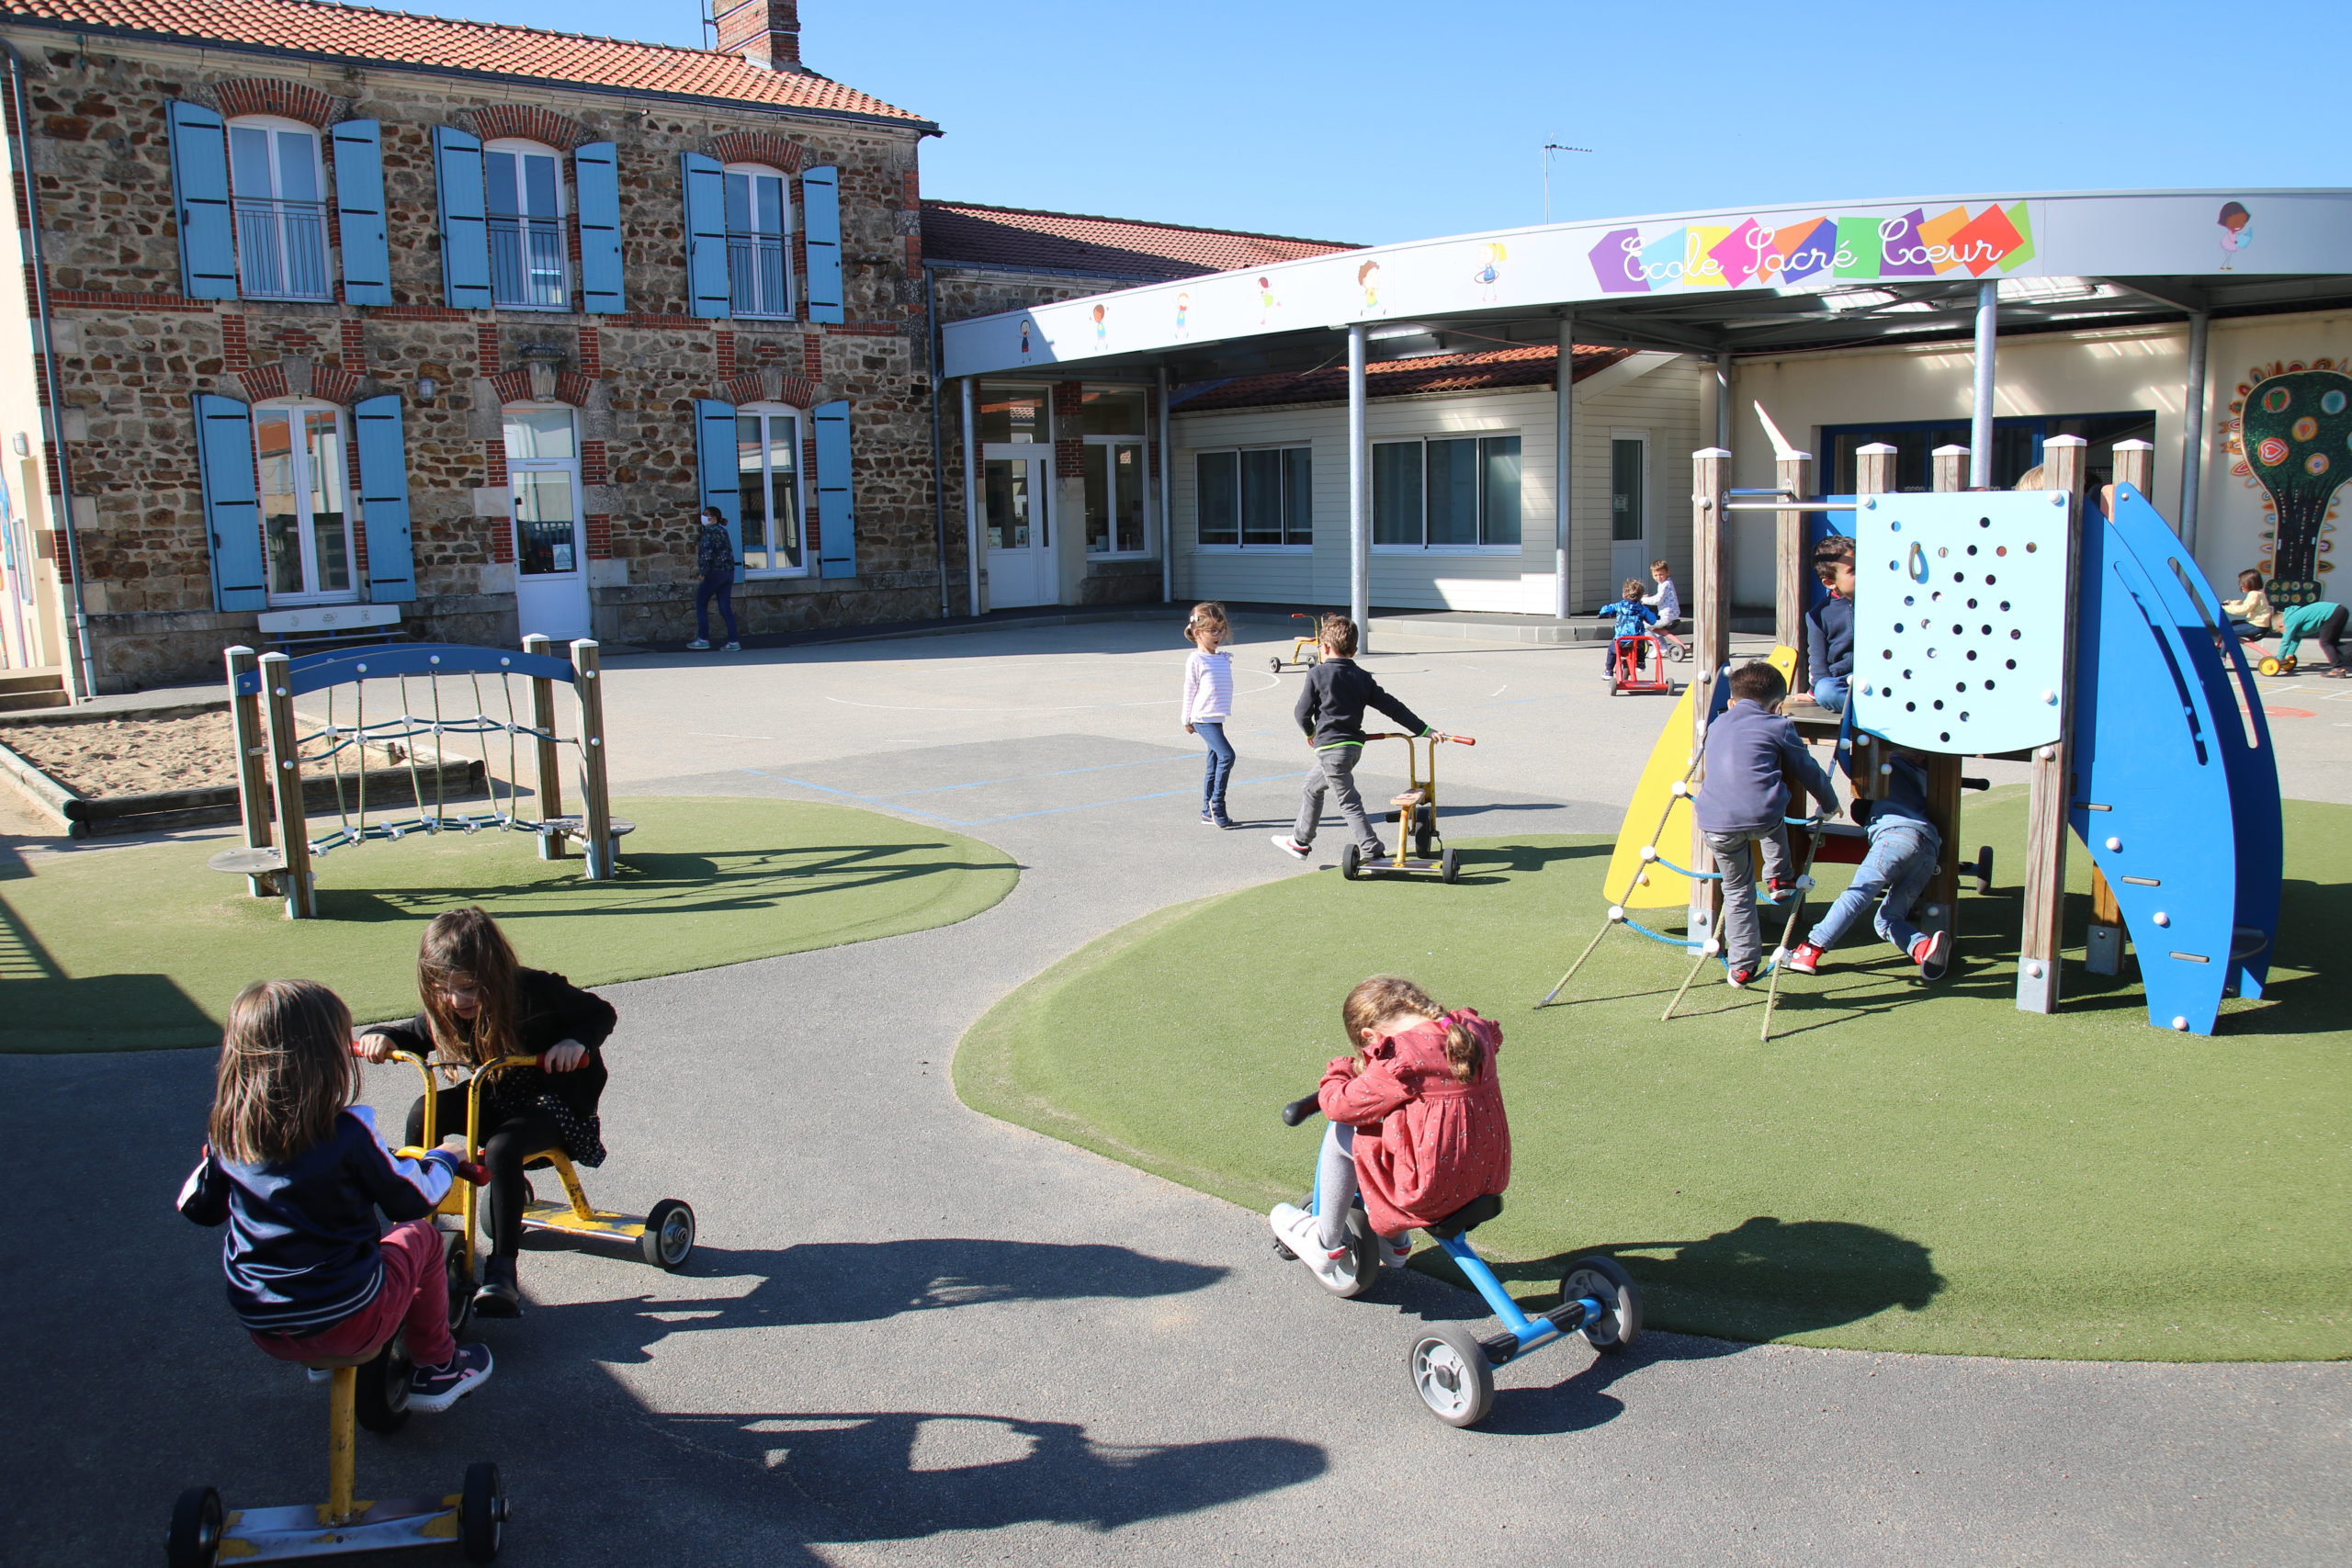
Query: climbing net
pixel 344 747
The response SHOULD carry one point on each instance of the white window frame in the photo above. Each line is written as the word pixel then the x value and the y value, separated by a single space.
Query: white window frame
pixel 269 217
pixel 1371 469
pixel 298 457
pixel 769 310
pixel 521 148
pixel 1241 528
pixel 764 411
pixel 1111 489
pixel 567 467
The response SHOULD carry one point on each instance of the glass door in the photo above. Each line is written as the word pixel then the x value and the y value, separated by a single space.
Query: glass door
pixel 1629 513
pixel 1015 480
pixel 551 546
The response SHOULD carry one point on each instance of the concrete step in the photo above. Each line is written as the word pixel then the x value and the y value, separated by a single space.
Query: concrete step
pixel 21 691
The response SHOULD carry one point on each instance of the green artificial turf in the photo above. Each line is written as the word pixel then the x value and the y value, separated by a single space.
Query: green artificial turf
pixel 142 947
pixel 1901 1167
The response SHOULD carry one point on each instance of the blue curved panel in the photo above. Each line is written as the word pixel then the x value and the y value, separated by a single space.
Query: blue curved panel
pixel 316 671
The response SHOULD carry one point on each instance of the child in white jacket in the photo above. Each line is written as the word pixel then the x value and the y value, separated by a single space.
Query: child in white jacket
pixel 1208 703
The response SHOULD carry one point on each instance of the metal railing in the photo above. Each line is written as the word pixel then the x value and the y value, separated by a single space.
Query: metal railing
pixel 281 249
pixel 527 261
pixel 758 275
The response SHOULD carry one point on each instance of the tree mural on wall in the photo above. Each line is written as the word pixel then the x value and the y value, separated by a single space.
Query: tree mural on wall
pixel 2290 429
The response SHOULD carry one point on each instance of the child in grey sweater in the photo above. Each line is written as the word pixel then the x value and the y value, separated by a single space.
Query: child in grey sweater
pixel 1751 754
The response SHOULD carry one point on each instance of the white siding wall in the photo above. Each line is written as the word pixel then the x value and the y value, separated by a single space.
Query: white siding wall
pixel 1663 403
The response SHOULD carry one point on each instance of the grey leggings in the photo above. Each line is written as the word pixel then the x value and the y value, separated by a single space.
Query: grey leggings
pixel 1335 1183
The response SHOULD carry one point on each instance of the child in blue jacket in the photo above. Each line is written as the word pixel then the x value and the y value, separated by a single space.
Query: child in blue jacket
pixel 1633 619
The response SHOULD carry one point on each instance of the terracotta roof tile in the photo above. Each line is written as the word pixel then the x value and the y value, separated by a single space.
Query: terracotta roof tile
pixel 315 27
pixel 1481 372
pixel 1123 248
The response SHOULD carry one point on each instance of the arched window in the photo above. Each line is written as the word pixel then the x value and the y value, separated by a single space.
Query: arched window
pixel 305 501
pixel 759 236
pixel 523 186
pixel 279 195
pixel 767 461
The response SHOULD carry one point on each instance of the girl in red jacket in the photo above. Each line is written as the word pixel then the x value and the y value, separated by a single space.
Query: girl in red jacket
pixel 1417 1123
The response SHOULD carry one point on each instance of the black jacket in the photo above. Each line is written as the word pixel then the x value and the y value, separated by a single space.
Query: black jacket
pixel 1829 637
pixel 301 1253
pixel 548 1009
pixel 1331 704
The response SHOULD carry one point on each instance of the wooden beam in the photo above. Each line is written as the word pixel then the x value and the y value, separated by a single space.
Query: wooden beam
pixel 1711 646
pixel 286 783
pixel 549 805
pixel 253 761
pixel 2054 764
pixel 2135 465
pixel 1952 468
pixel 1873 469
pixel 1794 570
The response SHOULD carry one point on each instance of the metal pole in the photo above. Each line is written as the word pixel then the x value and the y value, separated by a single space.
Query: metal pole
pixel 1564 468
pixel 971 502
pixel 1980 421
pixel 2192 431
pixel 1167 511
pixel 595 805
pixel 1723 399
pixel 938 457
pixel 1358 500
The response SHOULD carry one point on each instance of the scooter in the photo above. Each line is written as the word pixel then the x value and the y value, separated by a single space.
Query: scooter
pixel 1453 1370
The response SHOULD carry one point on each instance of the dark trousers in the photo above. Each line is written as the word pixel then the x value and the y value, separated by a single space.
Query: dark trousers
pixel 506 1145
pixel 720 584
pixel 2330 638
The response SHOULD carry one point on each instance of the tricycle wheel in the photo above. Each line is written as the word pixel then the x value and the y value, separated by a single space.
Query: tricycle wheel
pixel 669 1238
pixel 1275 665
pixel 1361 1267
pixel 1349 859
pixel 1449 866
pixel 195 1540
pixel 460 1280
pixel 1452 1375
pixel 1605 1280
pixel 383 1388
pixel 2271 665
pixel 1425 831
pixel 481 1513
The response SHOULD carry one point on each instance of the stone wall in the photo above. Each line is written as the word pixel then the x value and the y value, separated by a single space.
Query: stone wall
pixel 132 352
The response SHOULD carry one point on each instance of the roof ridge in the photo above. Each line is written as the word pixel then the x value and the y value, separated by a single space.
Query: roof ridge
pixel 510 28
pixel 1133 222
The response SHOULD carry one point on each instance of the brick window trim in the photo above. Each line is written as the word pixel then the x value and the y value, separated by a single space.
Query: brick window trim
pixel 329 383
pixel 570 387
pixel 525 122
pixel 265 94
pixel 758 147
pixel 770 386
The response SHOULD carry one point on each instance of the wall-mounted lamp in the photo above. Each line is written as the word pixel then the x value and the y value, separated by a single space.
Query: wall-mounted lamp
pixel 425 387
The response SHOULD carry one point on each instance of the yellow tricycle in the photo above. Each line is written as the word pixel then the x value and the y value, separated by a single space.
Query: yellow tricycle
pixel 1415 813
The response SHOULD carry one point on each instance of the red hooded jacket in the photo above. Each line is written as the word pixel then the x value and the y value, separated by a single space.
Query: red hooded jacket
pixel 1425 1143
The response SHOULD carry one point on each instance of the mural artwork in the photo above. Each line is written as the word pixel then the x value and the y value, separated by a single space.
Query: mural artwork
pixel 2290 431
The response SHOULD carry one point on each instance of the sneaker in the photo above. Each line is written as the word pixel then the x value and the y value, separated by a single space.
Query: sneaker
pixel 1777 891
pixel 499 1295
pixel 1291 846
pixel 1736 980
pixel 1302 1234
pixel 1929 952
pixel 1222 820
pixel 434 1389
pixel 1806 959
pixel 1208 820
pixel 700 645
pixel 732 648
pixel 1398 1253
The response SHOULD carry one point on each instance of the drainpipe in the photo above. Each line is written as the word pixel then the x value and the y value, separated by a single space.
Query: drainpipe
pixel 1979 420
pixel 938 450
pixel 81 677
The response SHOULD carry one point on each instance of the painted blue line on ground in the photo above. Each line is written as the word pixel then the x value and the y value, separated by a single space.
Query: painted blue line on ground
pixel 1008 817
pixel 1058 773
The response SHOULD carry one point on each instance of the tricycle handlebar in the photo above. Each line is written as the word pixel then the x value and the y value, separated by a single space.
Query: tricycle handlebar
pixel 1400 734
pixel 1299 1110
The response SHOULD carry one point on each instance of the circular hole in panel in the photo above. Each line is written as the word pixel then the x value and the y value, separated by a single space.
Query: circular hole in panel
pixel 2004 606
pixel 1910 708
pixel 1971 603
pixel 1960 577
pixel 1898 627
pixel 1988 630
pixel 2012 664
pixel 1988 685
pixel 1983 521
pixel 2014 636
pixel 1960 685
pixel 1972 549
pixel 1931 653
pixel 1908 600
pixel 1964 718
pixel 2000 549
pixel 1957 628
pixel 1942 550
pixel 1907 674
pixel 1972 654
pixel 2030 546
pixel 1891 566
pixel 1947 735
pixel 1896 526
pixel 1939 703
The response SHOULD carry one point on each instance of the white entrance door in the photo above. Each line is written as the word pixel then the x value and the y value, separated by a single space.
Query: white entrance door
pixel 1629 513
pixel 551 553
pixel 1015 480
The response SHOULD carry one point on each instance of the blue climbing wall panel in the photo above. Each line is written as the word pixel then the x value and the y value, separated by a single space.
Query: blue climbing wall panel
pixel 2163 753
pixel 1960 619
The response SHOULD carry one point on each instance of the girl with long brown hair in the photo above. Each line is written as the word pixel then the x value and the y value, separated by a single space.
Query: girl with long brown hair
pixel 479 1005
pixel 297 1173
pixel 1416 1124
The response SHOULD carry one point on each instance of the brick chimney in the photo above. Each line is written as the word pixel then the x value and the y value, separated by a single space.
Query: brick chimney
pixel 766 32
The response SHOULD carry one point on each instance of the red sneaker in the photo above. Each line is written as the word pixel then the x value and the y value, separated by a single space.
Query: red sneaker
pixel 1739 978
pixel 1806 959
pixel 1928 950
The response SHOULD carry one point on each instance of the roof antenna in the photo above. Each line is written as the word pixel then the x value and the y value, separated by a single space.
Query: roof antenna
pixel 709 26
pixel 1550 148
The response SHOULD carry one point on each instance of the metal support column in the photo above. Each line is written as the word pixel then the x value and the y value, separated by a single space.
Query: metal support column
pixel 1980 421
pixel 1723 399
pixel 2192 431
pixel 1167 491
pixel 1564 466
pixel 972 605
pixel 1359 499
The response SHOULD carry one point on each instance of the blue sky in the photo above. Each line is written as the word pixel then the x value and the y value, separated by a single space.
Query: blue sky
pixel 1379 121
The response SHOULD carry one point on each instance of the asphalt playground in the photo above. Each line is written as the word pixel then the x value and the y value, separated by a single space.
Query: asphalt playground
pixel 913 1335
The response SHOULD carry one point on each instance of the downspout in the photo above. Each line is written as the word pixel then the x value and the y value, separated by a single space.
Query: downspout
pixel 938 449
pixel 81 683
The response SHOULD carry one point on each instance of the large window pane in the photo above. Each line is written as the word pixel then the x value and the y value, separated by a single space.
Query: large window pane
pixel 1114 412
pixel 1097 469
pixel 281 509
pixel 1217 481
pixel 1261 497
pixel 1396 492
pixel 1498 460
pixel 1126 487
pixel 784 491
pixel 1006 415
pixel 298 166
pixel 751 488
pixel 1298 496
pixel 248 161
pixel 1453 492
pixel 330 546
pixel 538 433
pixel 544 540
pixel 500 186
pixel 1628 507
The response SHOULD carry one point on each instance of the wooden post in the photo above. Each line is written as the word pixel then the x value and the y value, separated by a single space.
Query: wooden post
pixel 1951 468
pixel 1874 468
pixel 550 769
pixel 285 768
pixel 1710 648
pixel 1793 569
pixel 2135 463
pixel 1873 474
pixel 253 765
pixel 2054 764
pixel 596 808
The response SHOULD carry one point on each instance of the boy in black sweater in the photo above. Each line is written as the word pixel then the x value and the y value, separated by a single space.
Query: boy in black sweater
pixel 1330 711
pixel 1830 625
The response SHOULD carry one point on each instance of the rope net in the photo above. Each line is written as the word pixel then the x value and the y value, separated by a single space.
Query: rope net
pixel 344 747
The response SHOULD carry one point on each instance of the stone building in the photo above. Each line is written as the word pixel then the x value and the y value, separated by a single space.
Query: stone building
pixel 356 317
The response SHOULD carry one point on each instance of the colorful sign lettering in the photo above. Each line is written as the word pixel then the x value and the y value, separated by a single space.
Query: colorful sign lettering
pixel 1979 242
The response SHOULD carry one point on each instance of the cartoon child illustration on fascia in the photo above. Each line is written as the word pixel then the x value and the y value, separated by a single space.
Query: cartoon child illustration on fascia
pixel 1102 332
pixel 1024 337
pixel 1367 279
pixel 1488 274
pixel 2237 231
pixel 1266 300
pixel 1184 311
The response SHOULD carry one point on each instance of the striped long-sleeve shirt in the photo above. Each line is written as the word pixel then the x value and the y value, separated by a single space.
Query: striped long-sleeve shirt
pixel 1208 687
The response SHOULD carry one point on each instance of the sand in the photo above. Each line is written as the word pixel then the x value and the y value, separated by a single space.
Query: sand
pixel 131 756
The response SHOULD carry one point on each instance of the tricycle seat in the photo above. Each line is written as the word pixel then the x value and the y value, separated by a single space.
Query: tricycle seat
pixel 1476 1212
pixel 1410 797
pixel 329 1363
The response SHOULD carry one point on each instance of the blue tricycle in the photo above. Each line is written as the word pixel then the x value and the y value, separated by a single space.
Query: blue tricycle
pixel 1452 1368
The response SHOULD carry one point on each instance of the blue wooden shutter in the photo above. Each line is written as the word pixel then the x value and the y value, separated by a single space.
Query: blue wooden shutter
pixel 821 234
pixel 706 235
pixel 383 499
pixel 359 212
pixel 836 505
pixel 200 193
pixel 464 224
pixel 596 179
pixel 224 452
pixel 722 483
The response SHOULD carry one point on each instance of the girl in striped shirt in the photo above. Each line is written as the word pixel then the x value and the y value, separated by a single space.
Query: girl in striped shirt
pixel 1208 703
